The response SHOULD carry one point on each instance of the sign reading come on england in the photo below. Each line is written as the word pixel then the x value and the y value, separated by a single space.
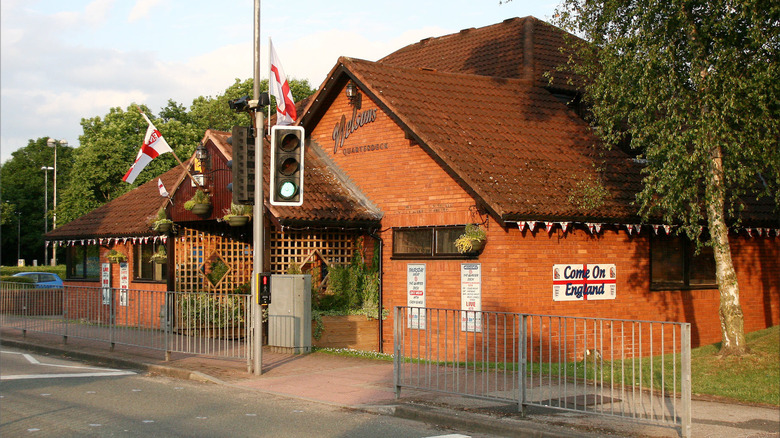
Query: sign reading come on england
pixel 584 282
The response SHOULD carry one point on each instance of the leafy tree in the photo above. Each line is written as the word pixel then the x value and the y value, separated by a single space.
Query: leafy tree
pixel 215 113
pixel 693 85
pixel 109 146
pixel 22 183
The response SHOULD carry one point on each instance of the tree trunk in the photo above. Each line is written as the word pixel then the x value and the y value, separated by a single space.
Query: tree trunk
pixel 731 320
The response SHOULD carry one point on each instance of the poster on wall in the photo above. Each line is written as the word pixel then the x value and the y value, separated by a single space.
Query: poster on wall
pixel 124 283
pixel 471 297
pixel 415 295
pixel 584 282
pixel 105 282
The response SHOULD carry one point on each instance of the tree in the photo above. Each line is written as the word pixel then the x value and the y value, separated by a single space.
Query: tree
pixel 23 190
pixel 693 85
pixel 214 112
pixel 109 146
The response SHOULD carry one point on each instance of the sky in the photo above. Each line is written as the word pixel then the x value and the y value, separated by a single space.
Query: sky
pixel 61 61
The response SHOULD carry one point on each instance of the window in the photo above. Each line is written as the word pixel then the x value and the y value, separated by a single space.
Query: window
pixel 144 268
pixel 674 264
pixel 427 242
pixel 83 262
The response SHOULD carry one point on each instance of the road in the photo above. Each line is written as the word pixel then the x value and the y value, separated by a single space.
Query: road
pixel 42 396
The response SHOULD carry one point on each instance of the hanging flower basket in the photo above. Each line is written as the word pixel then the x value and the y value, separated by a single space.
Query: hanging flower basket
pixel 199 204
pixel 163 226
pixel 472 241
pixel 237 215
pixel 201 209
pixel 236 220
pixel 161 256
pixel 115 256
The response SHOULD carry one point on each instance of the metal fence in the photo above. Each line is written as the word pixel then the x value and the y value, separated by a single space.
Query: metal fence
pixel 194 323
pixel 638 370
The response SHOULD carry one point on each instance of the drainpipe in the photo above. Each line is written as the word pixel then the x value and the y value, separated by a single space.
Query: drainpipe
pixel 381 282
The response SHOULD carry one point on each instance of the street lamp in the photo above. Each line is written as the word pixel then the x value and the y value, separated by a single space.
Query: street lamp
pixel 46 170
pixel 52 143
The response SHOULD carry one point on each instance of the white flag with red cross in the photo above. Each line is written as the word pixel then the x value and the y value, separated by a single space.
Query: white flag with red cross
pixel 154 145
pixel 280 89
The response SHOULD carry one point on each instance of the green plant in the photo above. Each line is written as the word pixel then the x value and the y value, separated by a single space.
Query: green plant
pixel 237 210
pixel 115 256
pixel 472 235
pixel 161 220
pixel 207 310
pixel 200 197
pixel 161 256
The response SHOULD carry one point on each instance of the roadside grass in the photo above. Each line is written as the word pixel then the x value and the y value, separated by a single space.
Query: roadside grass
pixel 753 378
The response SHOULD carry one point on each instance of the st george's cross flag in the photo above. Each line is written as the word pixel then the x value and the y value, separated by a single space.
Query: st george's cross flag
pixel 280 89
pixel 154 145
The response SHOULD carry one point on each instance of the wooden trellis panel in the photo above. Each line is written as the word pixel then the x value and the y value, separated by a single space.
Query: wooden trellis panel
pixel 295 247
pixel 196 252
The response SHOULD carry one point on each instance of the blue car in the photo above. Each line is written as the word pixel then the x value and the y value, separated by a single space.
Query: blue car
pixel 43 279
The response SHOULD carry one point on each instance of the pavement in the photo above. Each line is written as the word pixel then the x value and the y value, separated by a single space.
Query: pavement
pixel 367 385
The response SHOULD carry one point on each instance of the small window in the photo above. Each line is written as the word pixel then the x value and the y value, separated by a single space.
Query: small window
pixel 83 262
pixel 427 242
pixel 674 264
pixel 144 268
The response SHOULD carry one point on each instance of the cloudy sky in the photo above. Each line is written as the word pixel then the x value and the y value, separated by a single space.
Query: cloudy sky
pixel 64 60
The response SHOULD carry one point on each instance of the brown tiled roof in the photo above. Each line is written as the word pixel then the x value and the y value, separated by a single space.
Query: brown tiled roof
pixel 512 145
pixel 126 216
pixel 329 196
pixel 517 48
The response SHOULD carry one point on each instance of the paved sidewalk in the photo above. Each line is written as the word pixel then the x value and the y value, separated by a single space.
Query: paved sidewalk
pixel 368 385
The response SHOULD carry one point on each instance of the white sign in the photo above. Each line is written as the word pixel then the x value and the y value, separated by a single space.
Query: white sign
pixel 105 282
pixel 415 295
pixel 584 282
pixel 471 297
pixel 124 283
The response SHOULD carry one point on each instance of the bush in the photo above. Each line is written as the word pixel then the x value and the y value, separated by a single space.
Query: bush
pixel 12 279
pixel 11 270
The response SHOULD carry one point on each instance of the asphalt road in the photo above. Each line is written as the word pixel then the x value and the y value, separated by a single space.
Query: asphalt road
pixel 42 396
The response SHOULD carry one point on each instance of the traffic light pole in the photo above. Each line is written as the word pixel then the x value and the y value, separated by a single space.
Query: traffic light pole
pixel 258 221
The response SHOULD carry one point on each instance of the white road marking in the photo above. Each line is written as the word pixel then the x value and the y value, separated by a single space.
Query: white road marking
pixel 102 372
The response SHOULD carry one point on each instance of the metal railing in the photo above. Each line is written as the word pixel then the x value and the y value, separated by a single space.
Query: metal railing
pixel 638 370
pixel 193 323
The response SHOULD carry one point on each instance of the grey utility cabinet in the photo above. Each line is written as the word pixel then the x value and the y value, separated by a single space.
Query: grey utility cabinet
pixel 289 314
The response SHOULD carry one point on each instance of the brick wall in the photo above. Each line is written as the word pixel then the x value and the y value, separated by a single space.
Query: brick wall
pixel 414 190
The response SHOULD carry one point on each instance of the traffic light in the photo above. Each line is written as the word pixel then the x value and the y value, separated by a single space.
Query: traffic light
pixel 243 165
pixel 287 165
pixel 264 288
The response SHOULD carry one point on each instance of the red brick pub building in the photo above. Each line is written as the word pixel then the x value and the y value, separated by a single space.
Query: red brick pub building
pixel 455 130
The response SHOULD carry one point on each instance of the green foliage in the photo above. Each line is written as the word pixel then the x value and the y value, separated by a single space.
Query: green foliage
pixel 217 271
pixel 208 310
pixel 472 235
pixel 351 288
pixel 200 197
pixel 11 270
pixel 686 83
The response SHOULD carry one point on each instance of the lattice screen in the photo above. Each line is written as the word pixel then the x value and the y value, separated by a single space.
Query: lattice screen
pixel 298 247
pixel 208 261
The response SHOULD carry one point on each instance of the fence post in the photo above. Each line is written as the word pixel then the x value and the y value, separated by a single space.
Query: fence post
pixel 167 325
pixel 397 351
pixel 111 318
pixel 522 358
pixel 65 300
pixel 685 345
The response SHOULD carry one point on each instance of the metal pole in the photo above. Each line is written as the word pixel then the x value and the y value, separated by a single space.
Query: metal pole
pixel 45 211
pixel 258 221
pixel 54 226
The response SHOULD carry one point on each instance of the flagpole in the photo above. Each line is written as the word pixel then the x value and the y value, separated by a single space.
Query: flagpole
pixel 269 83
pixel 173 152
pixel 258 223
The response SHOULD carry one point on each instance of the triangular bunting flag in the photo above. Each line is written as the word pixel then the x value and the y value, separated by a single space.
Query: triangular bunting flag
pixel 531 225
pixel 521 225
pixel 549 226
pixel 564 225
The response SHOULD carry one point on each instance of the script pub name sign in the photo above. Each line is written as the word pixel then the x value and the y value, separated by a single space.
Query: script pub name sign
pixel 584 282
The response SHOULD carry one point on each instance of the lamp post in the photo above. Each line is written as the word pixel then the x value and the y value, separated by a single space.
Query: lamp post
pixel 52 143
pixel 18 236
pixel 45 170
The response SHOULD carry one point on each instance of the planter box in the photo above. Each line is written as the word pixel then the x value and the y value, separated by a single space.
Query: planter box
pixel 351 331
